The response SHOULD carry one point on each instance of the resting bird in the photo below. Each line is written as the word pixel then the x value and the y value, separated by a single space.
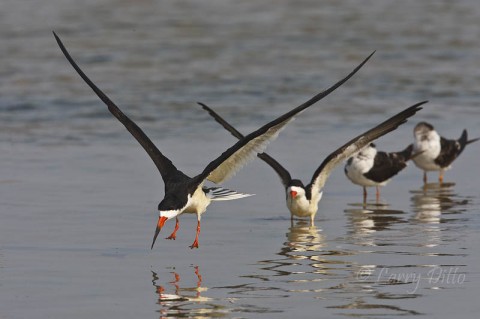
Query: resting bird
pixel 437 153
pixel 302 201
pixel 370 167
pixel 184 194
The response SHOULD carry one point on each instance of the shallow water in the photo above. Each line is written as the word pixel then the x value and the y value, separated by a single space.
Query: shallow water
pixel 78 195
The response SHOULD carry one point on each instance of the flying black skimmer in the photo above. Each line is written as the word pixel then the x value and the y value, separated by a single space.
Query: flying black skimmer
pixel 438 153
pixel 370 167
pixel 184 194
pixel 302 201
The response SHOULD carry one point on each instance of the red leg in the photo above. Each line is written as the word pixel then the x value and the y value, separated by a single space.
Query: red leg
pixel 195 243
pixel 175 282
pixel 378 193
pixel 440 177
pixel 364 194
pixel 174 234
pixel 424 177
pixel 199 282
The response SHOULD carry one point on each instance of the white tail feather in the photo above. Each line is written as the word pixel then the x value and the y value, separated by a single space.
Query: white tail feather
pixel 219 193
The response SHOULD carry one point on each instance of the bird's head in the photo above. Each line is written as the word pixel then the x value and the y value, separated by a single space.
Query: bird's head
pixel 296 189
pixel 424 131
pixel 166 211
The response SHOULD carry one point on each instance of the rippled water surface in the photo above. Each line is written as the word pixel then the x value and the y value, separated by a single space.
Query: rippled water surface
pixel 78 196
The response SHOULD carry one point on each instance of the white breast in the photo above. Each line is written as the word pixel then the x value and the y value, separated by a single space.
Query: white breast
pixel 359 166
pixel 430 146
pixel 198 203
pixel 300 206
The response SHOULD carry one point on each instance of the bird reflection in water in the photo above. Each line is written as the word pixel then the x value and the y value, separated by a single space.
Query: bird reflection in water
pixel 304 242
pixel 304 260
pixel 302 237
pixel 435 204
pixel 371 218
pixel 433 199
pixel 179 295
pixel 185 301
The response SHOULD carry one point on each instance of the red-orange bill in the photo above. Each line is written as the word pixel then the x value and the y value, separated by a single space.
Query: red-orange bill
pixel 160 223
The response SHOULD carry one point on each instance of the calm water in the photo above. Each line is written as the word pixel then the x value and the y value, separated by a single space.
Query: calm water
pixel 78 196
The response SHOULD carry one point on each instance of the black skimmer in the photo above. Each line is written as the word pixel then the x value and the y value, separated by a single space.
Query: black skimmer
pixel 302 201
pixel 370 167
pixel 437 152
pixel 184 194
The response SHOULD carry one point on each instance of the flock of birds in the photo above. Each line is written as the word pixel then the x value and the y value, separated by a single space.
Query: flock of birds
pixel 365 165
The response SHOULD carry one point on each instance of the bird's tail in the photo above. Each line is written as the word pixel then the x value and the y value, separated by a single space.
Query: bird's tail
pixel 219 193
pixel 463 140
pixel 474 140
pixel 407 154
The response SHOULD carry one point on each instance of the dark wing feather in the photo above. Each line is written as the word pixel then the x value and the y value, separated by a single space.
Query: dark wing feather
pixel 164 165
pixel 385 166
pixel 323 171
pixel 233 158
pixel 279 169
pixel 450 150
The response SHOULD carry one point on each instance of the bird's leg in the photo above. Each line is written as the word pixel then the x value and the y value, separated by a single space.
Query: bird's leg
pixel 440 177
pixel 364 194
pixel 195 243
pixel 175 282
pixel 174 234
pixel 424 177
pixel 177 278
pixel 312 223
pixel 199 282
pixel 378 194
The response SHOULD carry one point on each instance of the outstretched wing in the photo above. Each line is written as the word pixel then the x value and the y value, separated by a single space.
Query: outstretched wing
pixel 234 158
pixel 164 165
pixel 279 169
pixel 323 171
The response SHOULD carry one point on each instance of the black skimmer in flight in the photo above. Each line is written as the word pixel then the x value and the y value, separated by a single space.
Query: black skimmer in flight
pixel 438 153
pixel 370 167
pixel 184 194
pixel 302 201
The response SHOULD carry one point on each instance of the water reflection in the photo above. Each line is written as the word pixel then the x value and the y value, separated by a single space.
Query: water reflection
pixel 373 219
pixel 433 205
pixel 307 266
pixel 185 302
pixel 179 294
pixel 433 199
pixel 301 253
pixel 180 301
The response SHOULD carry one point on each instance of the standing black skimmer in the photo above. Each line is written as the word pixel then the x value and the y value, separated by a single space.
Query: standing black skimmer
pixel 184 194
pixel 370 167
pixel 302 201
pixel 438 153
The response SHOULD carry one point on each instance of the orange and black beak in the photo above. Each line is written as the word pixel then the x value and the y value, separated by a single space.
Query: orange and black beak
pixel 293 194
pixel 160 223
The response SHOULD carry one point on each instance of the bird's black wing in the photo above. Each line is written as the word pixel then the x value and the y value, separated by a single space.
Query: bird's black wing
pixel 168 171
pixel 385 166
pixel 234 158
pixel 279 169
pixel 450 150
pixel 323 171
